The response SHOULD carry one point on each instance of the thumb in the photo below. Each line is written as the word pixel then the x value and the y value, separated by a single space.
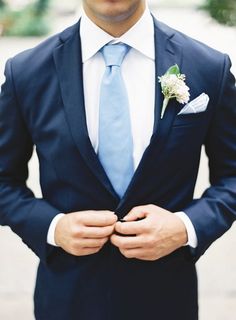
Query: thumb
pixel 135 214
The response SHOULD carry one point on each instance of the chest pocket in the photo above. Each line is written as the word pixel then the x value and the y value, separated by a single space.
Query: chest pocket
pixel 192 119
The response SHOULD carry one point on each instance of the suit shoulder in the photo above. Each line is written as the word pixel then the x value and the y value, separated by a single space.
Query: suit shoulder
pixel 41 55
pixel 192 47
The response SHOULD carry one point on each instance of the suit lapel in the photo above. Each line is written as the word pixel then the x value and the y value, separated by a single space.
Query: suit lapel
pixel 167 53
pixel 68 61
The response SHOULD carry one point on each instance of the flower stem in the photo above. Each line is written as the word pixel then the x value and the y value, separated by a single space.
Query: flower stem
pixel 164 106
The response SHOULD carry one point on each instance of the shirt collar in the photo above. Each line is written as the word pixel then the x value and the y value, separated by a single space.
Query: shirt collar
pixel 139 37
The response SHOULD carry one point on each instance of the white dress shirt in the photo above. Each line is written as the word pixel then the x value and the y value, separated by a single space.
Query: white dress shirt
pixel 138 70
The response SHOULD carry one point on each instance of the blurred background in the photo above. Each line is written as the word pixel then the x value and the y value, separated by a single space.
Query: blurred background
pixel 23 24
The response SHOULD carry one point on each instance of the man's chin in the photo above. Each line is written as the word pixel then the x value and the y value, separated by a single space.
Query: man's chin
pixel 115 11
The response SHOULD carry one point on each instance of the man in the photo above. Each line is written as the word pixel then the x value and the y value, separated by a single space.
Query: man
pixel 90 100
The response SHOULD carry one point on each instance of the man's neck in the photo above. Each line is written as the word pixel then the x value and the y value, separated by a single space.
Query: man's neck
pixel 117 28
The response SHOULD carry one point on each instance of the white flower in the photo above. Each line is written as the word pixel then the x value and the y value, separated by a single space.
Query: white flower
pixel 173 87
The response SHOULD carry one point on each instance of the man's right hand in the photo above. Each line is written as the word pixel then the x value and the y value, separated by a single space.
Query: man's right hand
pixel 85 232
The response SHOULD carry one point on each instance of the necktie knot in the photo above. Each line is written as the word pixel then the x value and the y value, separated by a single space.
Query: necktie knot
pixel 114 54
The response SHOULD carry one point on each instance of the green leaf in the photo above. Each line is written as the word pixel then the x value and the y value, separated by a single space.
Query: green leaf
pixel 173 70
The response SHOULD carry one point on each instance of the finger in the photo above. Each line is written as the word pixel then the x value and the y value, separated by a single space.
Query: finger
pixel 142 254
pixel 88 251
pixel 137 253
pixel 90 243
pixel 127 242
pixel 97 219
pixel 139 212
pixel 135 227
pixel 98 232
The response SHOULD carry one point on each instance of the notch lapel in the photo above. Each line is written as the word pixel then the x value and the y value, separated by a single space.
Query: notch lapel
pixel 167 53
pixel 68 61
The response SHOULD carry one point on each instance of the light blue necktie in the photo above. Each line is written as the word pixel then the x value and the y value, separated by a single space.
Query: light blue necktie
pixel 115 148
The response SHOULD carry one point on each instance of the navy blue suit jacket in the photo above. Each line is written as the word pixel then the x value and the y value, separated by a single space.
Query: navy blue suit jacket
pixel 42 104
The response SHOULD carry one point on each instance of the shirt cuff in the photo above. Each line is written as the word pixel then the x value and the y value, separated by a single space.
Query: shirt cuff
pixel 51 230
pixel 192 237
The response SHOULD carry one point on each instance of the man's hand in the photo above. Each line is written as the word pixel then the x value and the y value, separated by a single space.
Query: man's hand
pixel 157 235
pixel 86 232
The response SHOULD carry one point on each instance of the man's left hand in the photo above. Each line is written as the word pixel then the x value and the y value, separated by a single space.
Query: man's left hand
pixel 159 233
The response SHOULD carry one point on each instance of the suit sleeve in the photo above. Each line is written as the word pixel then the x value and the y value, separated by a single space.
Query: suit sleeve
pixel 27 216
pixel 214 213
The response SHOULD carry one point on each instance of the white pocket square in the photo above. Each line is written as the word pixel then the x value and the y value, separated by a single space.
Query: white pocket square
pixel 197 105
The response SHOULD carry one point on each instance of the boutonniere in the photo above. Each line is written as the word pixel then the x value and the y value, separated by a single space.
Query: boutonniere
pixel 173 87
